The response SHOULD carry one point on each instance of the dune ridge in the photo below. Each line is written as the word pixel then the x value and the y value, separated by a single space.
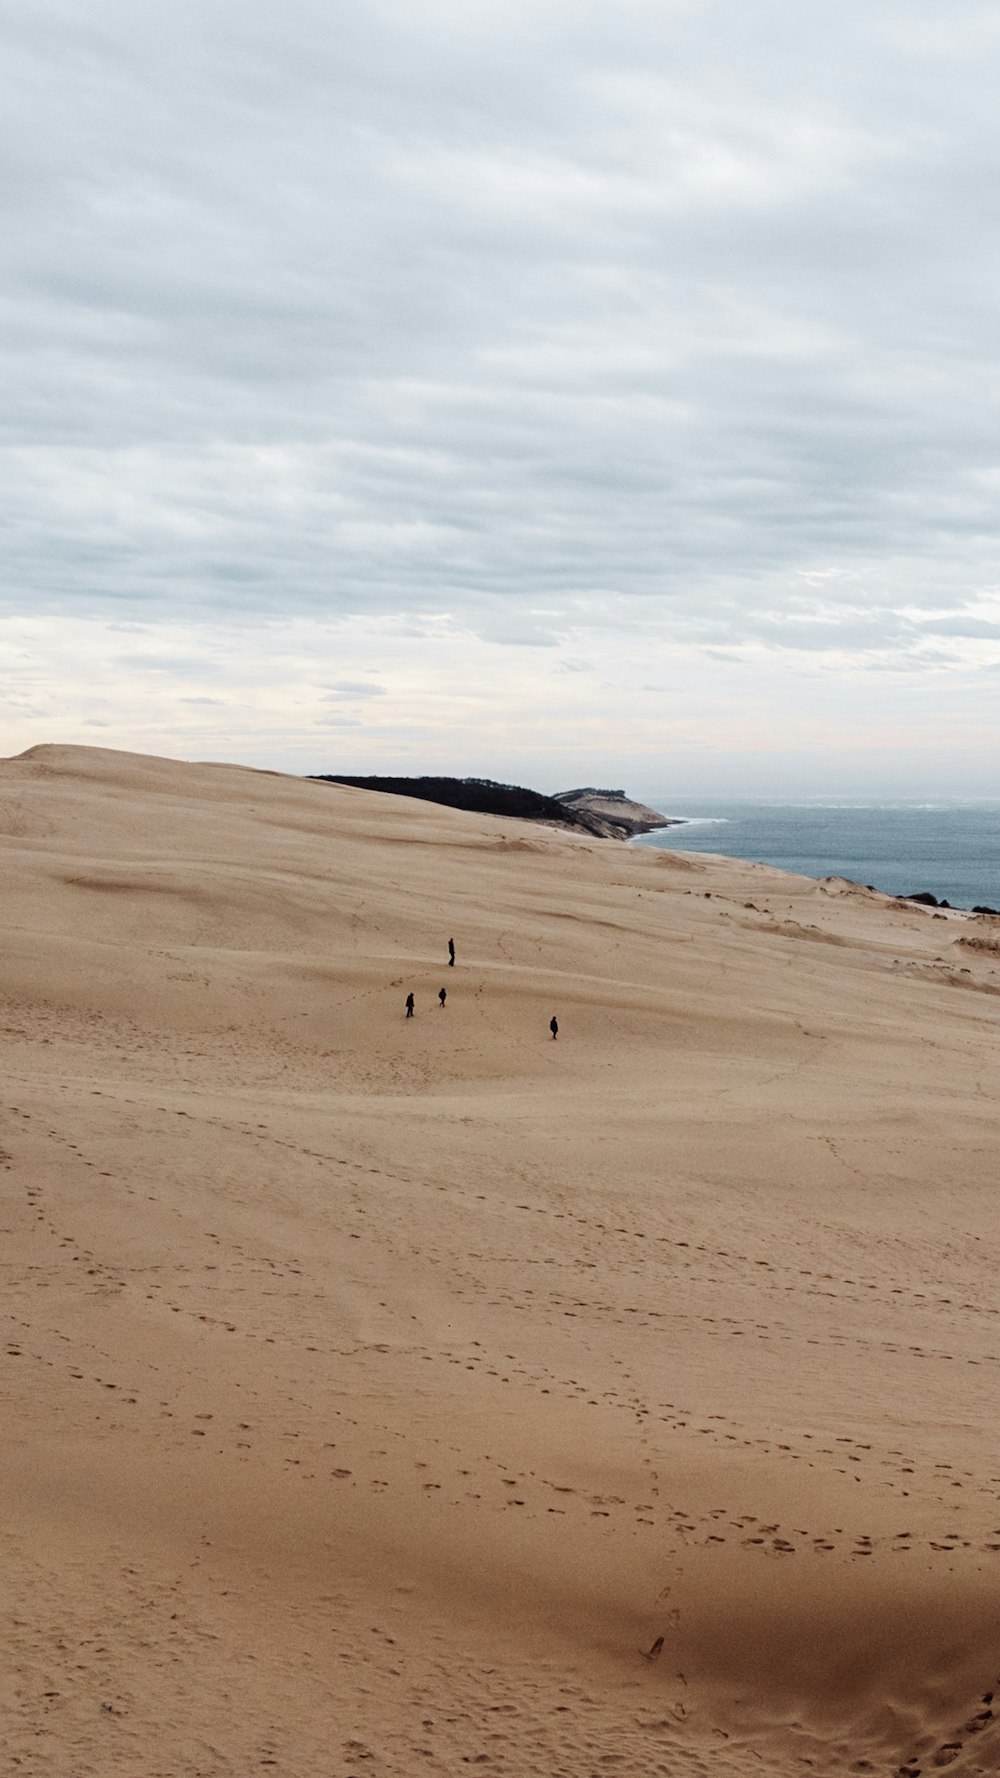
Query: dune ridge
pixel 381 1392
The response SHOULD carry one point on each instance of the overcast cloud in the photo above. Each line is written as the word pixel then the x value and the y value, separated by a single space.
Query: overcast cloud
pixel 543 389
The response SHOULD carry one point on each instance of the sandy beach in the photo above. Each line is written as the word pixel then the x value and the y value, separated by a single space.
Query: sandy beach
pixel 391 1396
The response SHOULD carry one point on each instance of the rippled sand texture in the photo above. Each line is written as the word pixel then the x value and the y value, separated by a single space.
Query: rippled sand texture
pixel 378 1393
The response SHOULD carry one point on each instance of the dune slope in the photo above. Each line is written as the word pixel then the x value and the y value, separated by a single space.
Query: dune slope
pixel 382 1394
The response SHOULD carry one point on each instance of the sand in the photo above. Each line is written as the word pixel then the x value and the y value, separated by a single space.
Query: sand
pixel 379 1392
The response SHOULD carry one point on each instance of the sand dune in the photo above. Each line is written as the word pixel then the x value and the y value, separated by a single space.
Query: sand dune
pixel 379 1392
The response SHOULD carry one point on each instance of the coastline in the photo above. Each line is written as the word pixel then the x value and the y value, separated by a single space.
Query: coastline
pixel 951 853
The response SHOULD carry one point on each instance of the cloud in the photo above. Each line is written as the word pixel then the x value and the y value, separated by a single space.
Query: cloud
pixel 176 666
pixel 534 322
pixel 963 625
pixel 351 691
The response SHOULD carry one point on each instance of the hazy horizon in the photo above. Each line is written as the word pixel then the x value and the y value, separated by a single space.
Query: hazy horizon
pixel 780 788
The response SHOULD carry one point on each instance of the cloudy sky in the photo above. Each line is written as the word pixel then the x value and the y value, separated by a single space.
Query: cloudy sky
pixel 556 390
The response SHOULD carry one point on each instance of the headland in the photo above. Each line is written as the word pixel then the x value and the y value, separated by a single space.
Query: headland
pixel 607 814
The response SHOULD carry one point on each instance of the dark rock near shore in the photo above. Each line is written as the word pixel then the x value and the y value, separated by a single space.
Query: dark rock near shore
pixel 925 899
pixel 985 910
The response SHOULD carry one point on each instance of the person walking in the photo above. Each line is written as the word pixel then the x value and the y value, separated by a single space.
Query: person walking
pixel 409 1006
pixel 442 996
pixel 451 953
pixel 554 1027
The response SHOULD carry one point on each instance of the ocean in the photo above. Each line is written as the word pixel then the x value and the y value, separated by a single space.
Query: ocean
pixel 950 849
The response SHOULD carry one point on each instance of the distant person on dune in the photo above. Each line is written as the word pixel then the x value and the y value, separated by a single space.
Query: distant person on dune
pixel 442 995
pixel 451 953
pixel 554 1027
pixel 409 1006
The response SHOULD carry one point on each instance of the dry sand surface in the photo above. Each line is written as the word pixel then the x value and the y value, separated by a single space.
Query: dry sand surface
pixel 378 1392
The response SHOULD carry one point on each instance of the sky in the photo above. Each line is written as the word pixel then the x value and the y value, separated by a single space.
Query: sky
pixel 545 390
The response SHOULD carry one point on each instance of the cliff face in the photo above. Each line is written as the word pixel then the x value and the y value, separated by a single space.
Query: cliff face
pixel 611 813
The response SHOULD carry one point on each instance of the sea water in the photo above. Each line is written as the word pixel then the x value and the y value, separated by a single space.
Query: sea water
pixel 950 849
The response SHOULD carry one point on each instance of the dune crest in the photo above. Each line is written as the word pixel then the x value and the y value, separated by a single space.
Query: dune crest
pixel 391 1395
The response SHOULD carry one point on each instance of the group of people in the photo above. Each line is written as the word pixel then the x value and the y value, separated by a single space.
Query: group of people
pixel 443 995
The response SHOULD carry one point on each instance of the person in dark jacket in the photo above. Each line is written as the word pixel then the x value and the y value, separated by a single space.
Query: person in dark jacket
pixel 554 1027
pixel 409 1006
pixel 451 953
pixel 442 996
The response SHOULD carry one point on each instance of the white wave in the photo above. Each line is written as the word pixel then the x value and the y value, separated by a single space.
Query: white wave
pixel 703 820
